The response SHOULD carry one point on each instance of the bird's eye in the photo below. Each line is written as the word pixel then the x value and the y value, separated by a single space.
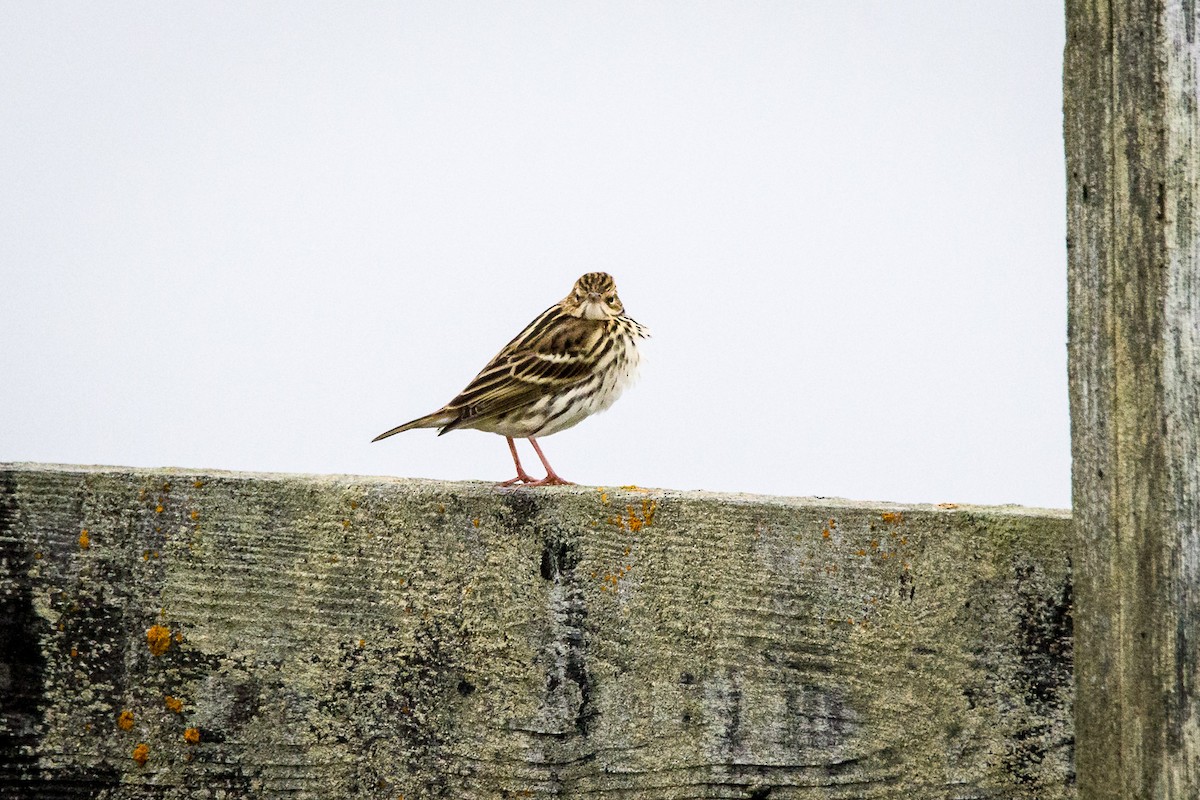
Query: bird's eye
pixel 612 301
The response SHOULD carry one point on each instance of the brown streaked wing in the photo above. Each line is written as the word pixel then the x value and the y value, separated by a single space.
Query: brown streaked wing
pixel 553 352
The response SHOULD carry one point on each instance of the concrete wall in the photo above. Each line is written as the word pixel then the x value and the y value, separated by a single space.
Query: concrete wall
pixel 170 633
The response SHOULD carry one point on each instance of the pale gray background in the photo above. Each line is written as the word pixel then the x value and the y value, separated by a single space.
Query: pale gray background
pixel 254 235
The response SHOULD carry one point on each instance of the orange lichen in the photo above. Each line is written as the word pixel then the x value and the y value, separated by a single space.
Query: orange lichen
pixel 825 533
pixel 195 514
pixel 613 579
pixel 832 523
pixel 191 735
pixel 178 637
pixel 158 639
pixel 631 521
pixel 85 541
pixel 37 556
pixel 345 524
pixel 198 484
pixel 158 509
pixel 141 754
pixel 125 720
pixel 173 703
pixel 947 505
pixel 603 496
pixel 74 653
pixel 632 488
pixel 475 522
pixel 893 517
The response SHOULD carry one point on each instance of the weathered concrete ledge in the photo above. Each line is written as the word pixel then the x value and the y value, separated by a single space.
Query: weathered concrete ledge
pixel 172 633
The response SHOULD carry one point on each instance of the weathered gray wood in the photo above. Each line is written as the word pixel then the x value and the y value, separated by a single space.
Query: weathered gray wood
pixel 1131 137
pixel 364 637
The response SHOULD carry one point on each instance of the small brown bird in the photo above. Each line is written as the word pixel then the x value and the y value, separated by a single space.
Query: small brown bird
pixel 573 361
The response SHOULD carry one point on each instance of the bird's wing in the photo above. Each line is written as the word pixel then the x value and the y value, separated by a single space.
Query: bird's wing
pixel 553 352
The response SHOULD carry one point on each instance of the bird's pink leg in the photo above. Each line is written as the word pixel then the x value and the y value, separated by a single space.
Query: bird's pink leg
pixel 522 475
pixel 551 478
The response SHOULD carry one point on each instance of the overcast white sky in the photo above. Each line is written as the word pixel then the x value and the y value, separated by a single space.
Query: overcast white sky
pixel 254 235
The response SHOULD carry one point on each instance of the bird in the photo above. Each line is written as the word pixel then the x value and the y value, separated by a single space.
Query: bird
pixel 573 360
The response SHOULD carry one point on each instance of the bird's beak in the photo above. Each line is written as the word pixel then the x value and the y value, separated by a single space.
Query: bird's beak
pixel 593 295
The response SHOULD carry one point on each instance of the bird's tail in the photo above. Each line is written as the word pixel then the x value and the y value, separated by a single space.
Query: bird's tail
pixel 435 420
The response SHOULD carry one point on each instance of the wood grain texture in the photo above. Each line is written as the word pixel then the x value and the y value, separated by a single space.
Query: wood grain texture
pixel 1131 136
pixel 336 637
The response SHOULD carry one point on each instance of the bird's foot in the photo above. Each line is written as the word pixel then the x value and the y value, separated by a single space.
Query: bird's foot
pixel 522 477
pixel 551 480
pixel 526 480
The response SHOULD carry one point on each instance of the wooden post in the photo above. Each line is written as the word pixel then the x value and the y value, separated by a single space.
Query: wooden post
pixel 1131 129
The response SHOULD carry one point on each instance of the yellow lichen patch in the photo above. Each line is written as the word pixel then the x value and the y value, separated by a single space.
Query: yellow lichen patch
pixel 825 533
pixel 166 488
pixel 85 541
pixel 178 637
pixel 158 639
pixel 125 720
pixel 345 524
pixel 475 522
pixel 632 488
pixel 195 514
pixel 141 754
pixel 603 494
pixel 893 517
pixel 613 579
pixel 74 653
pixel 198 484
pixel 173 703
pixel 947 505
pixel 631 521
pixel 158 509
pixel 37 556
pixel 192 735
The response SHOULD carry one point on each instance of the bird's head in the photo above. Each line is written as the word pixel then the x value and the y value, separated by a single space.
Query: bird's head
pixel 594 297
